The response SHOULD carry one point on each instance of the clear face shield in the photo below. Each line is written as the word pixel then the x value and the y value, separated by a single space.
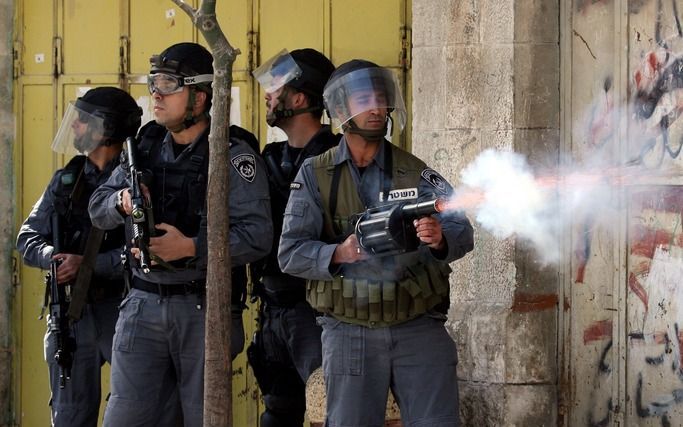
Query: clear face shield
pixel 364 90
pixel 277 72
pixel 80 132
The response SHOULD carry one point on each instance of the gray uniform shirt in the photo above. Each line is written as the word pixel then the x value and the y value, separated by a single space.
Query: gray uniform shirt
pixel 251 228
pixel 34 241
pixel 301 252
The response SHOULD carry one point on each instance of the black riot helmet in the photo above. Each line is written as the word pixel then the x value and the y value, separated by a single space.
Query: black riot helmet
pixel 103 116
pixel 304 70
pixel 379 87
pixel 316 69
pixel 183 64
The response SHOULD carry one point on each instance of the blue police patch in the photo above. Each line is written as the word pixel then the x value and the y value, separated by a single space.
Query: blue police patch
pixel 436 180
pixel 245 165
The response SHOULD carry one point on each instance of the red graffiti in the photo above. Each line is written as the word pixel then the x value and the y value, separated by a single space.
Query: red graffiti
pixel 600 330
pixel 525 303
pixel 644 240
pixel 649 70
pixel 669 199
pixel 637 288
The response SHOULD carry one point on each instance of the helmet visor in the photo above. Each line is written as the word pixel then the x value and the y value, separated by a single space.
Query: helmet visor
pixel 277 72
pixel 363 90
pixel 79 133
pixel 166 84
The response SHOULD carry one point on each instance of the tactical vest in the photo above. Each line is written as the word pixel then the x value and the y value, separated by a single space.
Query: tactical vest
pixel 70 201
pixel 178 190
pixel 279 181
pixel 368 300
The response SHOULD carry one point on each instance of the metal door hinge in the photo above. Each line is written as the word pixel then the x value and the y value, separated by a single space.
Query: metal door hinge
pixel 406 48
pixel 15 272
pixel 124 57
pixel 253 42
pixel 17 66
pixel 57 58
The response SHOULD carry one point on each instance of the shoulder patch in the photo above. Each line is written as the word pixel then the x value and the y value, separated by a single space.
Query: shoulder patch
pixel 435 179
pixel 245 165
pixel 68 178
pixel 295 185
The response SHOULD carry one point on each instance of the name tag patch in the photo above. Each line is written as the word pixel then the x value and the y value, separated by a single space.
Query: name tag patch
pixel 295 186
pixel 245 165
pixel 400 194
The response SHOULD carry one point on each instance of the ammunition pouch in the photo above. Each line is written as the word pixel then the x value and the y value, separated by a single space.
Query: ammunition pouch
pixel 382 303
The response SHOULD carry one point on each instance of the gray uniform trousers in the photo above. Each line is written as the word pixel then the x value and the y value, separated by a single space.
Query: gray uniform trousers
pixel 291 338
pixel 416 359
pixel 158 356
pixel 78 403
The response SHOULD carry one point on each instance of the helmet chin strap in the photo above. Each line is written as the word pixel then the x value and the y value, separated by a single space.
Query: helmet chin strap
pixel 370 135
pixel 190 119
pixel 280 112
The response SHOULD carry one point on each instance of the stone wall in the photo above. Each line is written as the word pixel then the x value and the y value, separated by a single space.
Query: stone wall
pixel 486 75
pixel 6 207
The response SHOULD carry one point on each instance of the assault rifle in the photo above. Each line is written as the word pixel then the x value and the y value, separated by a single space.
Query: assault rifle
pixel 142 216
pixel 388 230
pixel 58 323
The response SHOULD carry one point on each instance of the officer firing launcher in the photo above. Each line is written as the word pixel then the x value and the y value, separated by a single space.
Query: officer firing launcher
pixel 388 230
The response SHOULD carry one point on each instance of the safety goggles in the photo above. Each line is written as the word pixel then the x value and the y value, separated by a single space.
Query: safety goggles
pixel 167 84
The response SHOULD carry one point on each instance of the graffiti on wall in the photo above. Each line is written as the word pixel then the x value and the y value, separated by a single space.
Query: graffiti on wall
pixel 655 279
pixel 654 276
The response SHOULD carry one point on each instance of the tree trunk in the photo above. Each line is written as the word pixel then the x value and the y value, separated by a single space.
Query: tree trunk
pixel 217 364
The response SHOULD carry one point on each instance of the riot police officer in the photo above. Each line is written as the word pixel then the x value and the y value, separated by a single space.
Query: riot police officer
pixel 93 127
pixel 286 349
pixel 159 341
pixel 384 312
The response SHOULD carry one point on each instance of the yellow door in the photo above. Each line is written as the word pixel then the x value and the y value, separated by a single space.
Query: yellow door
pixel 377 31
pixel 70 46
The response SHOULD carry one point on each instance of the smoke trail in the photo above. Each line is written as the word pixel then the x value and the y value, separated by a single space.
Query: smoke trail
pixel 506 199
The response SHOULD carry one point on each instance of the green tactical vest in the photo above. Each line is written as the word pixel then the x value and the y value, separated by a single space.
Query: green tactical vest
pixel 364 301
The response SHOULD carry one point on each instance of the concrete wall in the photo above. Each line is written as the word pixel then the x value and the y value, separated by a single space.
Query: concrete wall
pixel 486 75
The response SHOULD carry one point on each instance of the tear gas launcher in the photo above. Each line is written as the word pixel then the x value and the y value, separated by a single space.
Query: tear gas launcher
pixel 388 230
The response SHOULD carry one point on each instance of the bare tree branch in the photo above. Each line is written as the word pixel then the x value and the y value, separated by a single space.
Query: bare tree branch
pixel 217 365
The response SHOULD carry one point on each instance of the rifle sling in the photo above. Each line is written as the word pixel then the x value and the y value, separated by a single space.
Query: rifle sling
pixel 80 288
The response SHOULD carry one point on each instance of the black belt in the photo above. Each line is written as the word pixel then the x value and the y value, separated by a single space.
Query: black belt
pixel 189 288
pixel 104 289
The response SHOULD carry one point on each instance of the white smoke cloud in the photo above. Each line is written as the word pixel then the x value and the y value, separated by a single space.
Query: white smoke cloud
pixel 514 202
